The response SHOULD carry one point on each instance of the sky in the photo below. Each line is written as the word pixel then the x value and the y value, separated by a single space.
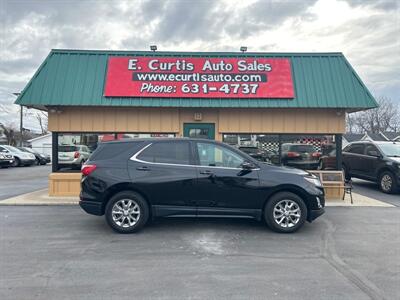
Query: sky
pixel 366 31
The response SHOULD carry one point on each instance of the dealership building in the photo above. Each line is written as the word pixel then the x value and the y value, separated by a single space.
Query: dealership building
pixel 266 102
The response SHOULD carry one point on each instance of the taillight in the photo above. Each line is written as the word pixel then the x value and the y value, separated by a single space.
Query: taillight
pixel 316 154
pixel 293 154
pixel 87 169
pixel 76 154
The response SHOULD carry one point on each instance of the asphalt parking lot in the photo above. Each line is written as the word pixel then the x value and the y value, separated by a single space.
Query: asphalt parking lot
pixel 62 253
pixel 371 189
pixel 21 180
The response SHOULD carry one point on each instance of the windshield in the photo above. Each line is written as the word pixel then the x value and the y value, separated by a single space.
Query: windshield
pixel 302 148
pixel 390 149
pixel 11 148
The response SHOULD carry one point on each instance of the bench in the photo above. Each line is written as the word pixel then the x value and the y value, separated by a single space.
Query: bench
pixel 334 183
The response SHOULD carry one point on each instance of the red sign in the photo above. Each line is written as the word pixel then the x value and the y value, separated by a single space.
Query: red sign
pixel 177 77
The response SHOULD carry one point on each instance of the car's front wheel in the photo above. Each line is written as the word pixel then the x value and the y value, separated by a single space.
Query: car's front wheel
pixel 127 212
pixel 387 182
pixel 285 212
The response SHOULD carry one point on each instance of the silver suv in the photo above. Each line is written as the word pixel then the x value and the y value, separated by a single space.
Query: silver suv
pixel 73 155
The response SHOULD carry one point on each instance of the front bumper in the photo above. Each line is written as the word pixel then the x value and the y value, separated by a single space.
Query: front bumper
pixel 6 162
pixel 315 213
pixel 27 161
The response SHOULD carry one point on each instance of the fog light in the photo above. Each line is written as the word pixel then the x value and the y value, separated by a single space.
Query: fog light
pixel 319 203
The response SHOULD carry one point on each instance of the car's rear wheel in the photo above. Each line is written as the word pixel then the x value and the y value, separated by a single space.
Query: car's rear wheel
pixel 285 212
pixel 387 182
pixel 127 212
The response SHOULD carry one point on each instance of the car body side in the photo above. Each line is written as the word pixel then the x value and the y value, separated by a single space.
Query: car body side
pixel 117 173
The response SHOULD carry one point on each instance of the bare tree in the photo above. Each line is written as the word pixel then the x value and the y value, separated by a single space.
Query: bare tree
pixel 11 134
pixel 386 117
pixel 41 116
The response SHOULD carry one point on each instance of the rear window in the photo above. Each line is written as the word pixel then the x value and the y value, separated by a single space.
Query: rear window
pixel 303 148
pixel 67 148
pixel 171 153
pixel 249 149
pixel 111 150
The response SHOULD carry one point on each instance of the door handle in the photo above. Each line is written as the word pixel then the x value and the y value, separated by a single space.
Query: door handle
pixel 143 168
pixel 206 172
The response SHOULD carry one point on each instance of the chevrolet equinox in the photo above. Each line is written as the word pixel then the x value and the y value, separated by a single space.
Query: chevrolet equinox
pixel 134 180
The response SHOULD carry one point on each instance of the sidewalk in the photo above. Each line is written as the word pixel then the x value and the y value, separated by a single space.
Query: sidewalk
pixel 41 197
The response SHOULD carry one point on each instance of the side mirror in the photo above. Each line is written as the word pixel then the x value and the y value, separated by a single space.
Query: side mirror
pixel 247 165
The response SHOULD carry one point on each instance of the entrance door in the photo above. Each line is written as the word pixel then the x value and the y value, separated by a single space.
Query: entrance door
pixel 199 130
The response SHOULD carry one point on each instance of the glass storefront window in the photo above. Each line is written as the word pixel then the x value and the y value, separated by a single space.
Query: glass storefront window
pixel 75 148
pixel 308 152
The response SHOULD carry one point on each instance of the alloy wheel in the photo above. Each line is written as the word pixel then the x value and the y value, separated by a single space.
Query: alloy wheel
pixel 386 183
pixel 287 213
pixel 125 213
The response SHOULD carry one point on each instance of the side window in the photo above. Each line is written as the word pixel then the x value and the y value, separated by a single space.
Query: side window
pixel 357 149
pixel 167 152
pixel 371 150
pixel 217 156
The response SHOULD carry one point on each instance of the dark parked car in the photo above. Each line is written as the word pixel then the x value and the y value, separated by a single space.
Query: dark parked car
pixel 6 160
pixel 255 152
pixel 132 181
pixel 302 156
pixel 374 161
pixel 40 158
pixel 328 161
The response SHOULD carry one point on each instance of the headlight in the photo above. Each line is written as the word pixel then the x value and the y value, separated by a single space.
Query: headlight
pixel 314 181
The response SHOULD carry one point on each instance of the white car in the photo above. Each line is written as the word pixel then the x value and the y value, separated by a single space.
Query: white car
pixel 72 155
pixel 21 158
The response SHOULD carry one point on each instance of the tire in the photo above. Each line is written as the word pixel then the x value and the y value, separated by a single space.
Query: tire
pixel 282 200
pixel 387 182
pixel 347 176
pixel 37 161
pixel 16 162
pixel 138 204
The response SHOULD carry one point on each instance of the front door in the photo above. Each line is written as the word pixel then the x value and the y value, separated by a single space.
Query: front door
pixel 199 130
pixel 223 187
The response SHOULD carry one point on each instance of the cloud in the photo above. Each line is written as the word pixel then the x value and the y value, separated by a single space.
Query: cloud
pixel 367 32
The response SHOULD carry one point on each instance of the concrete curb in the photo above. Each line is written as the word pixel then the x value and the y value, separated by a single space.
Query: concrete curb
pixel 39 197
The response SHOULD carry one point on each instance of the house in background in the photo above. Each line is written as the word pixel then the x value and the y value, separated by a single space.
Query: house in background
pixel 351 137
pixel 369 136
pixel 42 144
pixel 391 136
pixel 374 137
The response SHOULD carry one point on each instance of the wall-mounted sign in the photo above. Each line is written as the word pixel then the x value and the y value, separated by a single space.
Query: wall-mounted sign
pixel 179 77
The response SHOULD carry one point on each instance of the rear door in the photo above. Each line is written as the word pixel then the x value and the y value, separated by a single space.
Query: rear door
pixel 370 161
pixel 165 172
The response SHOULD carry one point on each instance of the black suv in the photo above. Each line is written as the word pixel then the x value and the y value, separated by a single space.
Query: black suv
pixel 132 181
pixel 374 161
